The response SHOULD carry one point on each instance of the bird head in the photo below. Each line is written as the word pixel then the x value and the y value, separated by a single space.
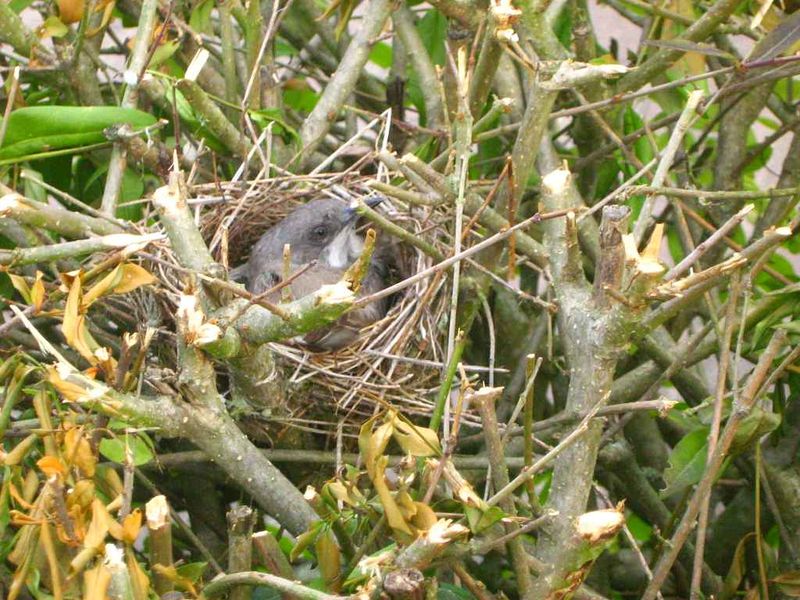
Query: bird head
pixel 322 230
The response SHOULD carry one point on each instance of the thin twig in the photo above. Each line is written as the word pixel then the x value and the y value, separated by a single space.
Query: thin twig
pixel 685 121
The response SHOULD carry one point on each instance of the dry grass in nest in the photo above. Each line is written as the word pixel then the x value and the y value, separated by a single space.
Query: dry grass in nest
pixel 397 362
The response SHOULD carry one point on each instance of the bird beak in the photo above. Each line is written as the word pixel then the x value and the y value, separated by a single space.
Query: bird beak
pixel 351 212
pixel 373 201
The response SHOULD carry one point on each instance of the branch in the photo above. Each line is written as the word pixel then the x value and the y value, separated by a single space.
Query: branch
pixel 177 219
pixel 260 326
pixel 687 117
pixel 487 65
pixel 59 220
pixel 415 49
pixel 611 265
pixel 344 80
pixel 53 252
pixel 663 58
pixel 222 584
pixel 740 410
pixel 494 448
pixel 706 245
pixel 214 118
pixel 473 204
pixel 137 64
pixel 754 251
pixel 14 32
pixel 561 237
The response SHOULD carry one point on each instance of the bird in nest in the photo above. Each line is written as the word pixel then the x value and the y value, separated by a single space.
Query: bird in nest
pixel 322 233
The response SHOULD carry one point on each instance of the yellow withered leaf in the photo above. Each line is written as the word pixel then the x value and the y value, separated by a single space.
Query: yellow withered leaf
pixel 393 514
pixel 139 580
pixel 101 525
pixel 74 325
pixel 424 518
pixel 51 465
pixel 72 392
pixel 19 283
pixel 131 526
pixel 329 559
pixel 98 527
pixel 78 451
pixel 105 286
pixel 95 583
pixel 111 481
pixel 18 497
pixel 349 494
pixel 18 453
pixel 373 441
pixel 121 280
pixel 133 276
pixel 416 441
pixel 180 582
pixel 81 495
pixel 38 295
pixel 406 504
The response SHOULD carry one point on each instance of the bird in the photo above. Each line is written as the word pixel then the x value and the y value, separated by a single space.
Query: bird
pixel 321 233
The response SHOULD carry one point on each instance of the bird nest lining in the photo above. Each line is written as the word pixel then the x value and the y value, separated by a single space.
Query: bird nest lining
pixel 397 361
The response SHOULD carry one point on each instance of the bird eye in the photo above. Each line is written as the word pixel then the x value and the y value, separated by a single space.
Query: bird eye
pixel 320 232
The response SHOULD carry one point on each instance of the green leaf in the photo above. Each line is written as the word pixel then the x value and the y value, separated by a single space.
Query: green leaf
pixel 163 53
pixel 141 448
pixel 433 31
pixel 686 462
pixel 753 427
pixel 381 55
pixel 448 591
pixel 641 530
pixel 303 100
pixel 36 129
pixel 132 189
pixel 736 571
pixel 563 27
pixel 31 186
pixel 19 5
pixel 305 539
pixel 641 147
pixel 192 571
pixel 480 520
pixel 266 116
pixel 188 115
pixel 200 19
pixel 54 27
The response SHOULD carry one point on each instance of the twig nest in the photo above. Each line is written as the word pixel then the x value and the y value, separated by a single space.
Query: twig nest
pixel 396 361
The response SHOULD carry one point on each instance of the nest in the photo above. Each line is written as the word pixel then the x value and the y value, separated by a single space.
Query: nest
pixel 396 362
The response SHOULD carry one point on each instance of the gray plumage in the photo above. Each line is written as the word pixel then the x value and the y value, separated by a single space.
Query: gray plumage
pixel 322 231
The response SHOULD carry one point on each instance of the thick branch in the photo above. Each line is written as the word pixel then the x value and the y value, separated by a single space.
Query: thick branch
pixel 415 49
pixel 59 220
pixel 343 81
pixel 175 216
pixel 662 59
